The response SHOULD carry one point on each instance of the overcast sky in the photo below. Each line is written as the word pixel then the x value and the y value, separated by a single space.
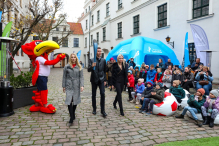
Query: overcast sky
pixel 74 9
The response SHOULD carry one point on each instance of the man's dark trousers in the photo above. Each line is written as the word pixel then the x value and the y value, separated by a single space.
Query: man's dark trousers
pixel 102 94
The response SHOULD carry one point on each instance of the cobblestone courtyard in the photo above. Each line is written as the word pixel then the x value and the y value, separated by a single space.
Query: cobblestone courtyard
pixel 25 128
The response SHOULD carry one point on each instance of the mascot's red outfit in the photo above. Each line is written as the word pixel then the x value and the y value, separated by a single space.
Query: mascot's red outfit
pixel 38 52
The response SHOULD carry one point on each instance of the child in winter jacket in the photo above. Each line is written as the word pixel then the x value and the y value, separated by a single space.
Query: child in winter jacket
pixel 151 74
pixel 167 79
pixel 136 74
pixel 177 75
pixel 177 91
pixel 195 103
pixel 143 73
pixel 210 108
pixel 131 84
pixel 146 94
pixel 156 96
pixel 159 76
pixel 139 88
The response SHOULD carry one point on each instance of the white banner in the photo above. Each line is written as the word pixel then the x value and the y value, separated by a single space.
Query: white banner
pixel 201 42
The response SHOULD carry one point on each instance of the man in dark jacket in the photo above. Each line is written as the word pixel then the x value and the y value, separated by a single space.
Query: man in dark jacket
pixel 167 64
pixel 195 65
pixel 131 62
pixel 98 78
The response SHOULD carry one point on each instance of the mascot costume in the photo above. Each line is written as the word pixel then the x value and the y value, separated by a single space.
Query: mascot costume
pixel 38 52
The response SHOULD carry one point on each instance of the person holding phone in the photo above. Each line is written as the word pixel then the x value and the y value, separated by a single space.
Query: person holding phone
pixel 73 84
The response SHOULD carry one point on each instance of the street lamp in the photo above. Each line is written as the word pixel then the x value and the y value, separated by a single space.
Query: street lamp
pixel 168 41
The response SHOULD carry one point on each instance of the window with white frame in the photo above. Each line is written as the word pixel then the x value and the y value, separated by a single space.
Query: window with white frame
pixel 120 30
pixel 119 4
pixel 200 8
pixel 85 42
pixel 107 9
pixel 98 16
pixel 104 34
pixel 86 24
pixel 98 37
pixel 92 20
pixel 91 40
pixel 76 42
pixel 65 42
pixel 162 15
pixel 136 24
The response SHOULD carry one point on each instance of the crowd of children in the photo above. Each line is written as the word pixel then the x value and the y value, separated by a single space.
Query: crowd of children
pixel 147 85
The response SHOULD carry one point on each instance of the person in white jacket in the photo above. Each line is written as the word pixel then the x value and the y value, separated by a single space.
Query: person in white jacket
pixel 167 79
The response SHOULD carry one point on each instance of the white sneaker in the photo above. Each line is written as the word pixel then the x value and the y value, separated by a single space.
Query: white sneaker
pixel 133 101
pixel 137 102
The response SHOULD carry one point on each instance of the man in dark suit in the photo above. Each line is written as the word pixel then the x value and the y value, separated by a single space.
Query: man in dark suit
pixel 98 78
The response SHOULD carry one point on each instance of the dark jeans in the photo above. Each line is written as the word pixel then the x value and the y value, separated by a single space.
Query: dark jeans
pixel 130 89
pixel 102 95
pixel 146 102
pixel 187 85
pixel 109 81
pixel 119 88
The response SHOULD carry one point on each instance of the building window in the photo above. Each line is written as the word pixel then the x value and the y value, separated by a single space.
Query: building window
pixel 107 9
pixel 64 29
pixel 86 24
pixel 162 15
pixel 200 8
pixel 85 42
pixel 35 38
pixel 97 37
pixel 92 20
pixel 86 10
pixel 22 53
pixel 55 39
pixel 120 30
pixel 192 52
pixel 104 33
pixel 57 28
pixel 119 4
pixel 65 42
pixel 136 24
pixel 76 42
pixel 17 54
pixel 98 16
pixel 89 8
pixel 91 40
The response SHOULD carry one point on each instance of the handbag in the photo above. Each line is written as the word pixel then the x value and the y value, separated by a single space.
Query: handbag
pixel 203 82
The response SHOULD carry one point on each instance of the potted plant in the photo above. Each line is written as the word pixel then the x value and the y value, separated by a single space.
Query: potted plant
pixel 23 89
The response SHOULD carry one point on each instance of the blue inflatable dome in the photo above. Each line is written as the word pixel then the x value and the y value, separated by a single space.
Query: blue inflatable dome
pixel 144 49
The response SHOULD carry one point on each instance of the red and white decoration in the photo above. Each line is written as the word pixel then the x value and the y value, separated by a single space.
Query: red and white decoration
pixel 184 100
pixel 166 108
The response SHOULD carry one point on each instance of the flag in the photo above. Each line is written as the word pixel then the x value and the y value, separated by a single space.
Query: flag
pixel 186 52
pixel 201 42
pixel 95 50
pixel 0 16
pixel 79 55
pixel 5 33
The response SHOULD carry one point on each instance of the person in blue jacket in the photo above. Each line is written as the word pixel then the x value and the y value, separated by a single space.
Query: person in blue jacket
pixel 151 74
pixel 139 88
pixel 131 62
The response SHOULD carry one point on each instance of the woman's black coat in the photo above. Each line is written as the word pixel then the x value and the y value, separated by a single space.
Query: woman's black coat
pixel 115 72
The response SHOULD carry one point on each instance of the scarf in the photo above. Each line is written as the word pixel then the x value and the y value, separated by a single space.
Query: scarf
pixel 143 72
pixel 159 75
pixel 136 73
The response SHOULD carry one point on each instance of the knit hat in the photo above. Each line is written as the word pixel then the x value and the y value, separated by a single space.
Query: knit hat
pixel 215 93
pixel 111 58
pixel 130 67
pixel 176 82
pixel 160 84
pixel 142 80
pixel 147 66
pixel 130 71
pixel 150 82
pixel 201 90
pixel 137 67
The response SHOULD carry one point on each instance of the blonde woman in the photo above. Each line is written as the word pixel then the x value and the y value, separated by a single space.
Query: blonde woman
pixel 119 79
pixel 73 84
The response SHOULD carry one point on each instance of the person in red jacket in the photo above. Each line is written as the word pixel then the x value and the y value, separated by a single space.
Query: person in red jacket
pixel 159 76
pixel 131 84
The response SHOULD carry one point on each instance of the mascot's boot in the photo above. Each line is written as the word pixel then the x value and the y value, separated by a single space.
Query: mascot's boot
pixel 50 109
pixel 37 99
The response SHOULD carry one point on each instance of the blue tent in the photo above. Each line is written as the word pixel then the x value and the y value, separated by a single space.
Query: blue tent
pixel 144 49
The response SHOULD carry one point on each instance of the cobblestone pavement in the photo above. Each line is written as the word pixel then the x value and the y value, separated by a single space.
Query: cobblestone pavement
pixel 25 128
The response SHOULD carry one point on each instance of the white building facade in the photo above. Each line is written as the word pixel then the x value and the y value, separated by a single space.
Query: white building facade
pixel 113 21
